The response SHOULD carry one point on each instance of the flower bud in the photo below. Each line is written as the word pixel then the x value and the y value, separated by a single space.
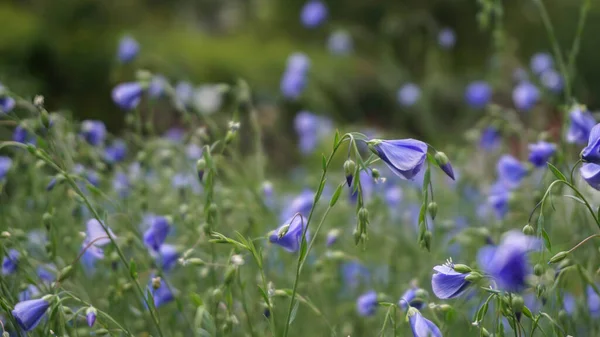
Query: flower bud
pixel 445 307
pixel 349 167
pixel 156 281
pixel 212 213
pixel 517 304
pixel 462 268
pixel 432 208
pixel 195 261
pixel 558 257
pixel 5 235
pixel 444 163
pixel 230 274
pixel 217 293
pixel 283 231
pixel 90 314
pixel 426 242
pixel 538 269
pixel 101 332
pixel 357 236
pixel 200 167
pixel 46 220
pixel 528 230
pixel 65 273
pixel 473 277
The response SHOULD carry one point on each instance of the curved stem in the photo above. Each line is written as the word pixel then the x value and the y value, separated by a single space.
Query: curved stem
pixel 583 242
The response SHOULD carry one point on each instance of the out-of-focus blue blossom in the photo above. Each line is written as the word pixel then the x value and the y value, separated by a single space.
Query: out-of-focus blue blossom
pixel 498 199
pixel 448 283
pixel 193 151
pixel 409 298
pixel 366 304
pixel 185 180
pixel 120 184
pixel 525 96
pixel 478 94
pixel 569 303
pixel 10 262
pixel 552 80
pixel 421 326
pixel 184 92
pixel 393 196
pixel 298 62
pixel 157 85
pixel 540 153
pixel 354 274
pixel 6 103
pixel 405 157
pixel 28 314
pixel 128 49
pixel 167 256
pixel 533 303
pixel 94 132
pixel 116 152
pixel 302 204
pixel 29 293
pixel 511 171
pixel 313 14
pixel 593 301
pixel 367 185
pixel 490 138
pixel 507 262
pixel 446 38
pixel 46 273
pixel 175 134
pixel 162 295
pixel 93 178
pixel 340 43
pixel 591 174
pixel 332 237
pixel 127 96
pixel 96 234
pixel 289 235
pixel 90 318
pixel 21 135
pixel 409 94
pixel 591 153
pixel 293 84
pixel 311 129
pixel 5 164
pixel 157 232
pixel 541 62
pixel 581 125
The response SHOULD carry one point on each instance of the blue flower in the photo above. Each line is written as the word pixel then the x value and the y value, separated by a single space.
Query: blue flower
pixel 6 104
pixel 156 234
pixel 90 317
pixel 21 135
pixel 28 314
pixel 405 157
pixel 340 43
pixel 591 153
pixel 127 95
pixel 525 96
pixel 540 153
pixel 298 62
pixel 289 234
pixel 569 303
pixel 128 49
pixel 541 62
pixel 593 301
pixel 478 94
pixel 5 164
pixel 507 262
pixel 162 295
pixel 366 304
pixel 184 91
pixel 313 14
pixel 292 84
pixel 490 138
pixel 409 298
pixel 121 184
pixel 591 174
pixel 498 199
pixel 157 85
pixel 332 237
pixel 393 196
pixel 552 80
pixel 28 293
pixel 96 234
pixel 446 38
pixel 448 283
pixel 93 132
pixel 116 152
pixel 302 204
pixel 354 274
pixel 311 129
pixel 408 94
pixel 421 326
pixel 510 171
pixel 10 262
pixel 167 256
pixel 581 125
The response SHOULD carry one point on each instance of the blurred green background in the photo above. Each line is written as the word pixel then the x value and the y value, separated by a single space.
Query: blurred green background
pixel 65 50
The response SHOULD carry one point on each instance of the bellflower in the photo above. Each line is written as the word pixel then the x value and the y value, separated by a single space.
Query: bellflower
pixel 6 104
pixel 22 135
pixel 525 96
pixel 446 38
pixel 478 94
pixel 507 262
pixel 498 199
pixel 340 43
pixel 593 301
pixel 116 152
pixel 10 262
pixel 354 274
pixel 421 326
pixel 408 94
pixel 541 62
pixel 289 234
pixel 298 62
pixel 93 132
pixel 28 314
pixel 552 80
pixel 313 14
pixel 591 153
pixel 302 204
pixel 591 174
pixel 162 295
pixel 128 49
pixel 447 283
pixel 90 316
pixel 581 126
pixel 127 96
pixel 156 234
pixel 292 84
pixel 5 164
pixel 540 153
pixel 157 85
pixel 405 157
pixel 409 298
pixel 95 233
pixel 366 304
pixel 167 256
pixel 184 91
pixel 490 138
pixel 511 171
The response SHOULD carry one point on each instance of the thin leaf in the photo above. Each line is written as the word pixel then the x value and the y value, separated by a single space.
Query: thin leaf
pixel 574 198
pixel 546 240
pixel 294 312
pixel 336 195
pixel 557 172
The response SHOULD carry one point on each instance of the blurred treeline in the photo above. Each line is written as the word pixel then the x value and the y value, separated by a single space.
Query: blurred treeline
pixel 65 50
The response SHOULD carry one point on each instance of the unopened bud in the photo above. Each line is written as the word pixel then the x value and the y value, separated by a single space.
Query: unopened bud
pixel 528 230
pixel 195 261
pixel 517 303
pixel 538 269
pixel 156 281
pixel 46 220
pixel 473 277
pixel 444 163
pixel 432 208
pixel 65 273
pixel 349 167
pixel 5 235
pixel 357 236
pixel 283 231
pixel 230 274
pixel 200 167
pixel 462 268
pixel 558 257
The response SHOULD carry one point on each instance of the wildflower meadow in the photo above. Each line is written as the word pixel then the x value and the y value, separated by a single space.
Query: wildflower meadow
pixel 200 216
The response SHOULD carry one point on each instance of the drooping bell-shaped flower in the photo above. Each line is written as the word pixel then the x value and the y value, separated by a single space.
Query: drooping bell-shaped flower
pixel 540 153
pixel 525 96
pixel 448 283
pixel 591 174
pixel 128 95
pixel 591 153
pixel 93 132
pixel 22 135
pixel 5 164
pixel 289 235
pixel 301 204
pixel 511 171
pixel 116 152
pixel 167 256
pixel 128 49
pixel 409 298
pixel 366 304
pixel 96 234
pixel 162 295
pixel 581 126
pixel 490 138
pixel 313 14
pixel 157 232
pixel 405 157
pixel 28 314
pixel 541 62
pixel 478 94
pixel 10 262
pixel 421 326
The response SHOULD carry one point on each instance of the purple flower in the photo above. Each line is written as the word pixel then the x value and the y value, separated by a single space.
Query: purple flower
pixel 490 138
pixel 96 234
pixel 525 96
pixel 591 153
pixel 366 304
pixel 120 184
pixel 511 171
pixel 184 91
pixel 393 196
pixel 340 43
pixel 569 303
pixel 478 94
pixel 541 62
pixel 21 135
pixel 591 174
pixel 409 298
pixel 6 104
pixel 421 326
pixel 93 132
pixel 90 317
pixel 408 94
pixel 116 152
pixel 507 262
pixel 128 95
pixel 157 85
pixel 405 157
pixel 311 129
pixel 446 38
pixel 581 125
pixel 302 204
pixel 175 134
pixel 593 301
pixel 162 295
pixel 28 314
pixel 156 234
pixel 498 199
pixel 313 14
pixel 289 234
pixel 128 49
pixel 5 164
pixel 540 153
pixel 167 256
pixel 354 274
pixel 448 283
pixel 332 237
pixel 292 84
pixel 298 62
pixel 10 262
pixel 552 80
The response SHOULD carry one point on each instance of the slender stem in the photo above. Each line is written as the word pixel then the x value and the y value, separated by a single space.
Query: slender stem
pixel 573 169
pixel 245 305
pixel 583 242
pixel 585 7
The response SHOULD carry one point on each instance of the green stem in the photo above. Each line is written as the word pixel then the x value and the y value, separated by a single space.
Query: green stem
pixel 585 7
